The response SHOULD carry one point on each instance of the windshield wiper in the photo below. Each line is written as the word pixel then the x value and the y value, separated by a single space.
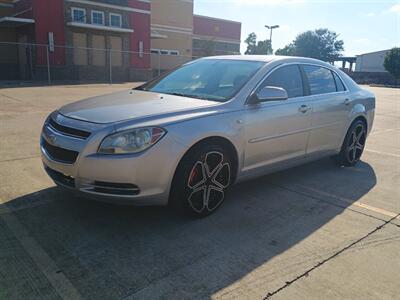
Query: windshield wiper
pixel 179 94
pixel 190 96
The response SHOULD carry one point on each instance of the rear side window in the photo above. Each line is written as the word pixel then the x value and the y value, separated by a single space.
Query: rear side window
pixel 320 79
pixel 288 78
pixel 339 84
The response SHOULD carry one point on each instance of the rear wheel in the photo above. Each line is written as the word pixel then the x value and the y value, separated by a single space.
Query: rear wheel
pixel 202 180
pixel 353 145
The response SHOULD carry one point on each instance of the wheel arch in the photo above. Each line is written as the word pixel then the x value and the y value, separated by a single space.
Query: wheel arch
pixel 358 112
pixel 219 140
pixel 360 118
pixel 355 118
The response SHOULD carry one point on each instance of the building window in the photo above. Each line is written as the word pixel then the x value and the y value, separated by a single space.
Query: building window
pixel 164 52
pixel 174 52
pixel 155 51
pixel 78 14
pixel 115 20
pixel 97 17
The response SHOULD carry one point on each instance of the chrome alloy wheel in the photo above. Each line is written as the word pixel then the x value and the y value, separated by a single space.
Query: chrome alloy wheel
pixel 208 181
pixel 356 143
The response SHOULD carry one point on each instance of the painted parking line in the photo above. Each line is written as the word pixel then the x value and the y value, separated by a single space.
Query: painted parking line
pixel 19 158
pixel 384 131
pixel 351 202
pixel 382 153
pixel 47 266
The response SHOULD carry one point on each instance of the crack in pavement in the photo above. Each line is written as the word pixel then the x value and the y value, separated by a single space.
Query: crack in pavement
pixel 306 273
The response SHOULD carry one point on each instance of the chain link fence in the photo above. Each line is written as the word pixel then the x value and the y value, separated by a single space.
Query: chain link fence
pixel 41 62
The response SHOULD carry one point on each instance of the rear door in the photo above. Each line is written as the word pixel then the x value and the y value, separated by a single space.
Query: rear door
pixel 331 106
pixel 278 130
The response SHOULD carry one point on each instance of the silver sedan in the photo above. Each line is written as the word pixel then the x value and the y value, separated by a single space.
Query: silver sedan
pixel 184 138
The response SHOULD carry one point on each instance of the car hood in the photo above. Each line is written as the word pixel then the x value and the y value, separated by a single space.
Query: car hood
pixel 127 105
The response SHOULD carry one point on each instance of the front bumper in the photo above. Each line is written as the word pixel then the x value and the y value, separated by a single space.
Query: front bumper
pixel 138 179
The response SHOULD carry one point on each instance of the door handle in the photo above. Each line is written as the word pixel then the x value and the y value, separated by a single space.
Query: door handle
pixel 304 108
pixel 347 102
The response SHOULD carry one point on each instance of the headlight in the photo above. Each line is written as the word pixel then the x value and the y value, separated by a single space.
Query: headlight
pixel 131 141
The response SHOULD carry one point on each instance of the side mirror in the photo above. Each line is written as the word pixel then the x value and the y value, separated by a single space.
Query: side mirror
pixel 269 93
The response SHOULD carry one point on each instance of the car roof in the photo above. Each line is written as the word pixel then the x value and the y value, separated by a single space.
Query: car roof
pixel 261 58
pixel 270 58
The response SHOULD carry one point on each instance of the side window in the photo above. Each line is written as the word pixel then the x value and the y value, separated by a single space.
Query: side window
pixel 320 79
pixel 288 78
pixel 339 83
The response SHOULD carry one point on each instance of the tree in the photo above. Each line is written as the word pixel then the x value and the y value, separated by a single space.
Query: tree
pixel 321 44
pixel 251 42
pixel 260 47
pixel 392 62
pixel 288 50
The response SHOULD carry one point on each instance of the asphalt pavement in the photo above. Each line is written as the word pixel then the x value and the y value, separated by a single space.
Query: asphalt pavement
pixel 312 232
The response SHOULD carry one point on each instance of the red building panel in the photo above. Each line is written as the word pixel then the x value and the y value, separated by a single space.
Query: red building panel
pixel 139 4
pixel 218 28
pixel 49 17
pixel 140 23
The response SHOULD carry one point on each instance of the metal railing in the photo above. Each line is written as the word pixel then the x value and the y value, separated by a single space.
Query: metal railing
pixel 40 62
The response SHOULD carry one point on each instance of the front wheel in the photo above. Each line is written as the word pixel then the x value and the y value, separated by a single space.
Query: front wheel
pixel 202 180
pixel 353 145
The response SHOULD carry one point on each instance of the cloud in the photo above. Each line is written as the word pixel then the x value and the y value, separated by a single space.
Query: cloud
pixel 395 8
pixel 363 41
pixel 285 28
pixel 269 2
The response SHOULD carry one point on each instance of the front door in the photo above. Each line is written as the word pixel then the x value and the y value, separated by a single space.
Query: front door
pixel 278 130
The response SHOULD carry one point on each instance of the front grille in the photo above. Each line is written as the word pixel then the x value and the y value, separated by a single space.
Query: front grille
pixel 81 134
pixel 120 189
pixel 60 178
pixel 60 154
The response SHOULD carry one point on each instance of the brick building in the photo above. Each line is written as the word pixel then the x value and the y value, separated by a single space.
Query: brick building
pixel 92 39
pixel 177 35
pixel 215 36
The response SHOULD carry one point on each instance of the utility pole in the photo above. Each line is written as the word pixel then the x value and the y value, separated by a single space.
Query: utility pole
pixel 271 28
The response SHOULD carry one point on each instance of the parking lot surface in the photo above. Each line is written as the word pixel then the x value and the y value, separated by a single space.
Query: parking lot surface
pixel 312 232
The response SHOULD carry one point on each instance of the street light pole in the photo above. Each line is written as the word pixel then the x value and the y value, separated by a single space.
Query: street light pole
pixel 271 28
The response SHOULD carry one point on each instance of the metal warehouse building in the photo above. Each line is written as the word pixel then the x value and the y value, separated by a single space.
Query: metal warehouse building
pixel 371 62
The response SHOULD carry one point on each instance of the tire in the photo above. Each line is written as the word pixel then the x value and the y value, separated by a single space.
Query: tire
pixel 353 145
pixel 201 181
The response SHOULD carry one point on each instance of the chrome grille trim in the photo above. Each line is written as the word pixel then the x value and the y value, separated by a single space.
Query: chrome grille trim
pixel 69 131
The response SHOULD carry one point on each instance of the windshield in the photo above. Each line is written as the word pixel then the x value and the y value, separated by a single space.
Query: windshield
pixel 209 79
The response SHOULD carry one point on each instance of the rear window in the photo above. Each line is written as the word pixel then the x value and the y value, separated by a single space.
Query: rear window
pixel 339 83
pixel 320 79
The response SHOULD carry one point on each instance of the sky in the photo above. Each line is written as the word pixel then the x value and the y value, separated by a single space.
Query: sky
pixel 364 26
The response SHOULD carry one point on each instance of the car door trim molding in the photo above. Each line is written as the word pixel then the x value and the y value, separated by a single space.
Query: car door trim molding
pixel 266 138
